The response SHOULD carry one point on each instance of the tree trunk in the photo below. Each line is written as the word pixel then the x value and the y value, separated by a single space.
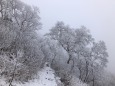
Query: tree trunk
pixel 10 84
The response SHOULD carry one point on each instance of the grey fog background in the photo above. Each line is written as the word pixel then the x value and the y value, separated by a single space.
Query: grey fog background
pixel 96 15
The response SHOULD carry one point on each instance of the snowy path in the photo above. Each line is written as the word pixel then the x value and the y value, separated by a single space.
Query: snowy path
pixel 46 78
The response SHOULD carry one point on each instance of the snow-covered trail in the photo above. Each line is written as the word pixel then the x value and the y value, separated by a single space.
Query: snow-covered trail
pixel 46 78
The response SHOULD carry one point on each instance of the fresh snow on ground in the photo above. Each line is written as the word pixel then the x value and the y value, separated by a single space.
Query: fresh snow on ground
pixel 46 78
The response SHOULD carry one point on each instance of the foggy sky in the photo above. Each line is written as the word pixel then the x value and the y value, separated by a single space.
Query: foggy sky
pixel 96 15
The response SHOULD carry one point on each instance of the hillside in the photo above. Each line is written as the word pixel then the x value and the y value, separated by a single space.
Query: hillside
pixel 46 77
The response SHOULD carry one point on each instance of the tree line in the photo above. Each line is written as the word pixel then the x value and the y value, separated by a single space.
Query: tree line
pixel 70 51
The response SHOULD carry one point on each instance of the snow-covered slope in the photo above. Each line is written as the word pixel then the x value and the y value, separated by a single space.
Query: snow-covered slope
pixel 46 78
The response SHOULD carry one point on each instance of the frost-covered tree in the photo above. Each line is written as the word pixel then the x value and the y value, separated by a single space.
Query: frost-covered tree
pixel 19 24
pixel 84 54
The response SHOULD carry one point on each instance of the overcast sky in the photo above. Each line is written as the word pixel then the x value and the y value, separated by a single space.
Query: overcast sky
pixel 96 15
